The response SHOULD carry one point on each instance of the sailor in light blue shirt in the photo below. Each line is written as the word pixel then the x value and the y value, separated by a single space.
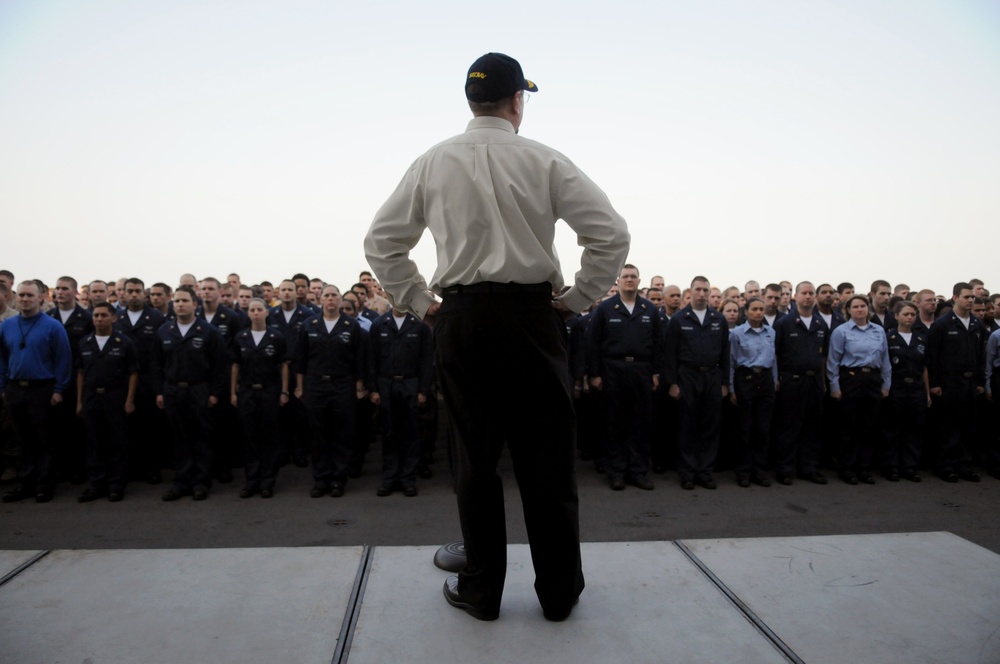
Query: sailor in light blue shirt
pixel 751 347
pixel 856 346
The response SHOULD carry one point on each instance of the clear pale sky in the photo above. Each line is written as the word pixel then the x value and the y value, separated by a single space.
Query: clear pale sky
pixel 764 139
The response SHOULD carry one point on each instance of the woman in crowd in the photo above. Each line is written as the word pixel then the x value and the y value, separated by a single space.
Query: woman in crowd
pixel 259 387
pixel 909 396
pixel 858 369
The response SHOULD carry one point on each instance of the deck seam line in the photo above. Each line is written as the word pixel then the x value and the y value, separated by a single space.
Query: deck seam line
pixel 9 576
pixel 353 612
pixel 754 619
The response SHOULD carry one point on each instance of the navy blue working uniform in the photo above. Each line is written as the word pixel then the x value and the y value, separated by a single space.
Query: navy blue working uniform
pixel 801 354
pixel 69 438
pixel 956 364
pixel 331 363
pixel 697 361
pixel 906 408
pixel 148 445
pixel 35 363
pixel 753 374
pixel 103 383
pixel 258 391
pixel 189 369
pixel 625 353
pixel 228 434
pixel 402 359
pixel 992 385
pixel 294 434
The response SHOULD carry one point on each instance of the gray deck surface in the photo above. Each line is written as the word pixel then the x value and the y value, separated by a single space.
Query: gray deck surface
pixel 920 597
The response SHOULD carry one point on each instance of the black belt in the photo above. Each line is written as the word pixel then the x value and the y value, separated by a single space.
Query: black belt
pixel 701 368
pixel 960 374
pixel 105 390
pixel 799 374
pixel 46 382
pixel 185 384
pixel 853 370
pixel 496 288
pixel 256 386
pixel 398 379
pixel 755 370
pixel 628 358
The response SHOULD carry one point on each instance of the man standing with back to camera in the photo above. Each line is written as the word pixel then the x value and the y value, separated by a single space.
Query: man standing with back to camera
pixel 491 200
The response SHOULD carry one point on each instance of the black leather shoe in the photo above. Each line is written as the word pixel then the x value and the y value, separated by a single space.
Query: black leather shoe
pixel 760 480
pixel 910 475
pixel 616 482
pixel 849 477
pixel 949 477
pixel 866 477
pixel 642 482
pixel 410 490
pixel 116 494
pixel 337 489
pixel 743 481
pixel 891 475
pixel 687 483
pixel 16 495
pixel 784 479
pixel 90 494
pixel 200 493
pixel 319 489
pixel 560 615
pixel 248 491
pixel 43 495
pixel 815 478
pixel 969 475
pixel 452 597
pixel 708 482
pixel 267 493
pixel 175 492
pixel 383 491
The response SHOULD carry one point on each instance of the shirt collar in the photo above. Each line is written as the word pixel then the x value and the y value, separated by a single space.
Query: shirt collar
pixel 490 122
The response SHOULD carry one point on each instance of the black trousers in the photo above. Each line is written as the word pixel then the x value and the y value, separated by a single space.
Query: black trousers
pixel 332 408
pixel 754 404
pixel 957 422
pixel 107 437
pixel 30 410
pixel 699 421
pixel 903 426
pixel 503 367
pixel 798 412
pixel 628 401
pixel 399 419
pixel 192 426
pixel 861 394
pixel 259 410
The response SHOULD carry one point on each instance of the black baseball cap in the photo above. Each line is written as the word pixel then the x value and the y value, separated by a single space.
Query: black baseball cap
pixel 495 76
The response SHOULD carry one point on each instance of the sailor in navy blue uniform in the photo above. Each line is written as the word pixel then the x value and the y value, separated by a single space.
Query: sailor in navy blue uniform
pixel 625 356
pixel 106 386
pixel 228 436
pixel 956 372
pixel 753 373
pixel 69 452
pixel 697 372
pixel 148 446
pixel 190 366
pixel 402 359
pixel 860 374
pixel 294 433
pixel 909 396
pixel 992 384
pixel 330 378
pixel 800 346
pixel 259 388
